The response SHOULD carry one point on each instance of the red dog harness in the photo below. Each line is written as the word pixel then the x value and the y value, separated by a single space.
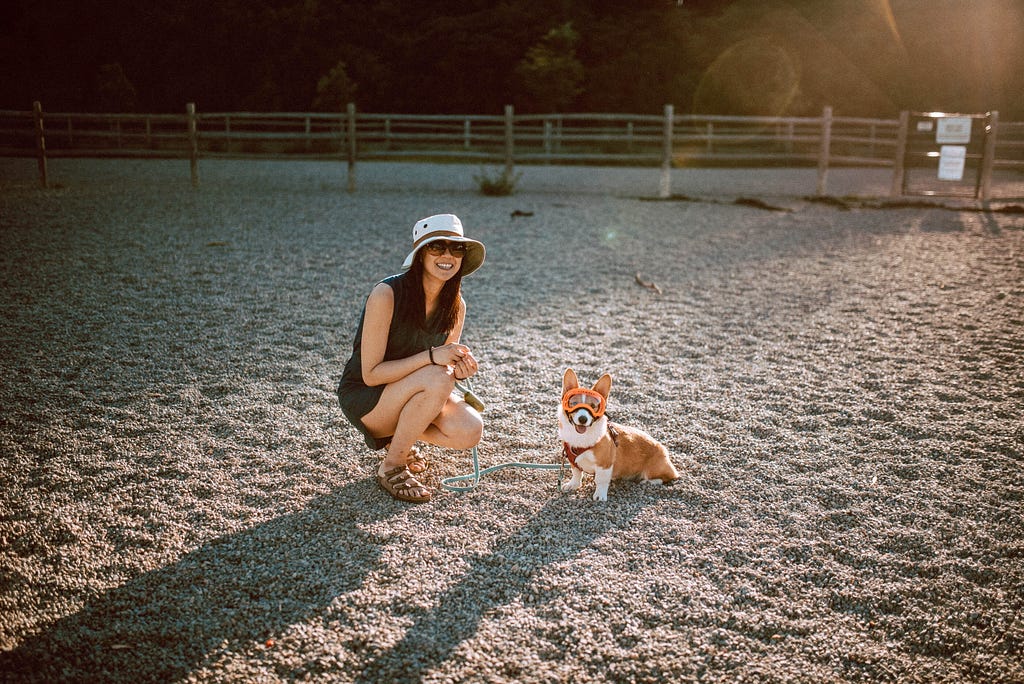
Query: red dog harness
pixel 571 453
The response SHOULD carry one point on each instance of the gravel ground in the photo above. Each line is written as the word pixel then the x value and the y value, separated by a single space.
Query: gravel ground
pixel 182 500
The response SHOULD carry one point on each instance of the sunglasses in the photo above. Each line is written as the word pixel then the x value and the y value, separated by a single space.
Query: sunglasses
pixel 439 247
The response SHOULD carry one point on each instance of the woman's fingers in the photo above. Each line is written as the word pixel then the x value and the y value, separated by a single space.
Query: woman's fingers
pixel 455 352
pixel 466 367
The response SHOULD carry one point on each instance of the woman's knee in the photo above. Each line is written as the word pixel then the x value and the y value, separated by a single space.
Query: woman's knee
pixel 465 426
pixel 436 380
pixel 475 431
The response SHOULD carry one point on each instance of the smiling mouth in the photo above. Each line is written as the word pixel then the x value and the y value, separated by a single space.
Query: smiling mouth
pixel 445 267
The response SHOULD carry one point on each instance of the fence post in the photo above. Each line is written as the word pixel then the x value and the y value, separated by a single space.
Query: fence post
pixel 510 141
pixel 665 190
pixel 193 143
pixel 989 156
pixel 37 115
pixel 351 109
pixel 900 158
pixel 826 148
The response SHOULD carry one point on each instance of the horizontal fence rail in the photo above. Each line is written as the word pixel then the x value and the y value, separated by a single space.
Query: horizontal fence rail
pixel 609 138
pixel 635 139
pixel 1009 146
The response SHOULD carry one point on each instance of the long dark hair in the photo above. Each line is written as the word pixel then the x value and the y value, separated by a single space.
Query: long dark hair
pixel 446 314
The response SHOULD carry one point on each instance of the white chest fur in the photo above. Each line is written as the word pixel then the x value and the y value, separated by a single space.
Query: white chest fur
pixel 585 460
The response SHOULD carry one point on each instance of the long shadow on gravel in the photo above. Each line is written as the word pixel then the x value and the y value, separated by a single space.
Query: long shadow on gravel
pixel 494 580
pixel 231 594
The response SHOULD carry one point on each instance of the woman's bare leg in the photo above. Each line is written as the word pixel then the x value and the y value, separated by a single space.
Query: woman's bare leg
pixel 407 409
pixel 457 426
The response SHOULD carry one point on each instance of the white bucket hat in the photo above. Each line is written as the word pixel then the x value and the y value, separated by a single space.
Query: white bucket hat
pixel 445 227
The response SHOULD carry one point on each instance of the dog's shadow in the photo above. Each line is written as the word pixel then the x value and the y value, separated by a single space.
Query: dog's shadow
pixel 518 563
pixel 230 593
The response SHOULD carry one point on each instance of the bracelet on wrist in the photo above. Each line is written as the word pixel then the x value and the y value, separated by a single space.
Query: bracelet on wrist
pixel 430 355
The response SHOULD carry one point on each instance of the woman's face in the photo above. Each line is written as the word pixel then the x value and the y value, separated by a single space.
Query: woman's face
pixel 443 259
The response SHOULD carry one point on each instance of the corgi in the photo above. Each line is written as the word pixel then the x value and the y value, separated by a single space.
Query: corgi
pixel 608 451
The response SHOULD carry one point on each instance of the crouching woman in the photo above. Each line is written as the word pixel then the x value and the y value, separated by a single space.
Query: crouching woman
pixel 398 386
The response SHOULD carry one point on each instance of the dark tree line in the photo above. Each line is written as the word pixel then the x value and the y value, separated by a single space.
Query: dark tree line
pixel 426 56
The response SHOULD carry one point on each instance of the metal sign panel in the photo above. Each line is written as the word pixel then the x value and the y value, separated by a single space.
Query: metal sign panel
pixel 951 162
pixel 941 154
pixel 954 130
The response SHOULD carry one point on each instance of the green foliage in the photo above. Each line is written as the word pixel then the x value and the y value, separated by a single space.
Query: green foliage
pixel 550 73
pixel 500 185
pixel 334 91
pixel 787 57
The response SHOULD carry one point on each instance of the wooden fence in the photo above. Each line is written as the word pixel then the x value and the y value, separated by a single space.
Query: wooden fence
pixel 668 140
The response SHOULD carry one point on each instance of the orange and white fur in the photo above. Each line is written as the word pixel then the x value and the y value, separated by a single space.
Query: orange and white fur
pixel 607 451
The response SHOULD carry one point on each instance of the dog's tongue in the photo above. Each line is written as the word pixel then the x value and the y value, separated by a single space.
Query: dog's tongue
pixel 581 429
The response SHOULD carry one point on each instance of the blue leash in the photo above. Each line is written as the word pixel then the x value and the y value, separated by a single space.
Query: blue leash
pixel 448 482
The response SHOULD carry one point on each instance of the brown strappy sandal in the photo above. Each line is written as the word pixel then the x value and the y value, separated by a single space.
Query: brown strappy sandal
pixel 400 483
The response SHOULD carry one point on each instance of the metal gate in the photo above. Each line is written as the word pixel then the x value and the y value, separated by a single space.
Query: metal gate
pixel 947 155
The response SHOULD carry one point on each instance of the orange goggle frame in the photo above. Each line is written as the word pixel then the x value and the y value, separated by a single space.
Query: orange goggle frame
pixel 596 412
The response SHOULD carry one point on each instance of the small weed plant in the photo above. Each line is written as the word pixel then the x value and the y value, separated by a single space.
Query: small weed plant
pixel 499 185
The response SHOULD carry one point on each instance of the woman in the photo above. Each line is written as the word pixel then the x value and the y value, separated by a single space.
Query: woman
pixel 398 385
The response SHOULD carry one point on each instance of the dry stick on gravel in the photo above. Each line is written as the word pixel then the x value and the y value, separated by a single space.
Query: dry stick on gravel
pixel 652 286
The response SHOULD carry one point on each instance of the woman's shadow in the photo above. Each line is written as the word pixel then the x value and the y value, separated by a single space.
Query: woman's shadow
pixel 237 591
pixel 228 594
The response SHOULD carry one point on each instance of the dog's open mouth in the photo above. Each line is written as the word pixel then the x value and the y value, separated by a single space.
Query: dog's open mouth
pixel 581 428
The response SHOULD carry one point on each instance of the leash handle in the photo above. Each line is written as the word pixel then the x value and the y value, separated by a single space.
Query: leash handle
pixel 468 396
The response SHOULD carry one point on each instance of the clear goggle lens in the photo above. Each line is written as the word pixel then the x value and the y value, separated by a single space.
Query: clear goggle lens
pixel 586 399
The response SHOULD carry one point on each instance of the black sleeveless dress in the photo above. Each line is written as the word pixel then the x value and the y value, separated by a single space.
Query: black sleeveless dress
pixel 404 339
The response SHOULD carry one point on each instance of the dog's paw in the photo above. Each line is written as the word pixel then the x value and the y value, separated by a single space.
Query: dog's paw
pixel 570 486
pixel 600 496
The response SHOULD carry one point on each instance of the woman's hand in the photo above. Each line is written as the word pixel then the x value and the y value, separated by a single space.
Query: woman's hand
pixel 449 354
pixel 457 358
pixel 466 367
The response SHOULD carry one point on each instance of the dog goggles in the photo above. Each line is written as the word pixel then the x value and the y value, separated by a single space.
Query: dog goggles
pixel 586 399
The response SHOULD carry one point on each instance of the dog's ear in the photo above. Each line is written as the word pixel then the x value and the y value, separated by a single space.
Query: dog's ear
pixel 569 380
pixel 604 385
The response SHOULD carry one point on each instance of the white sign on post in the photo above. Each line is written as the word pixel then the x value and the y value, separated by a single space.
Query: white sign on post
pixel 951 162
pixel 955 130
